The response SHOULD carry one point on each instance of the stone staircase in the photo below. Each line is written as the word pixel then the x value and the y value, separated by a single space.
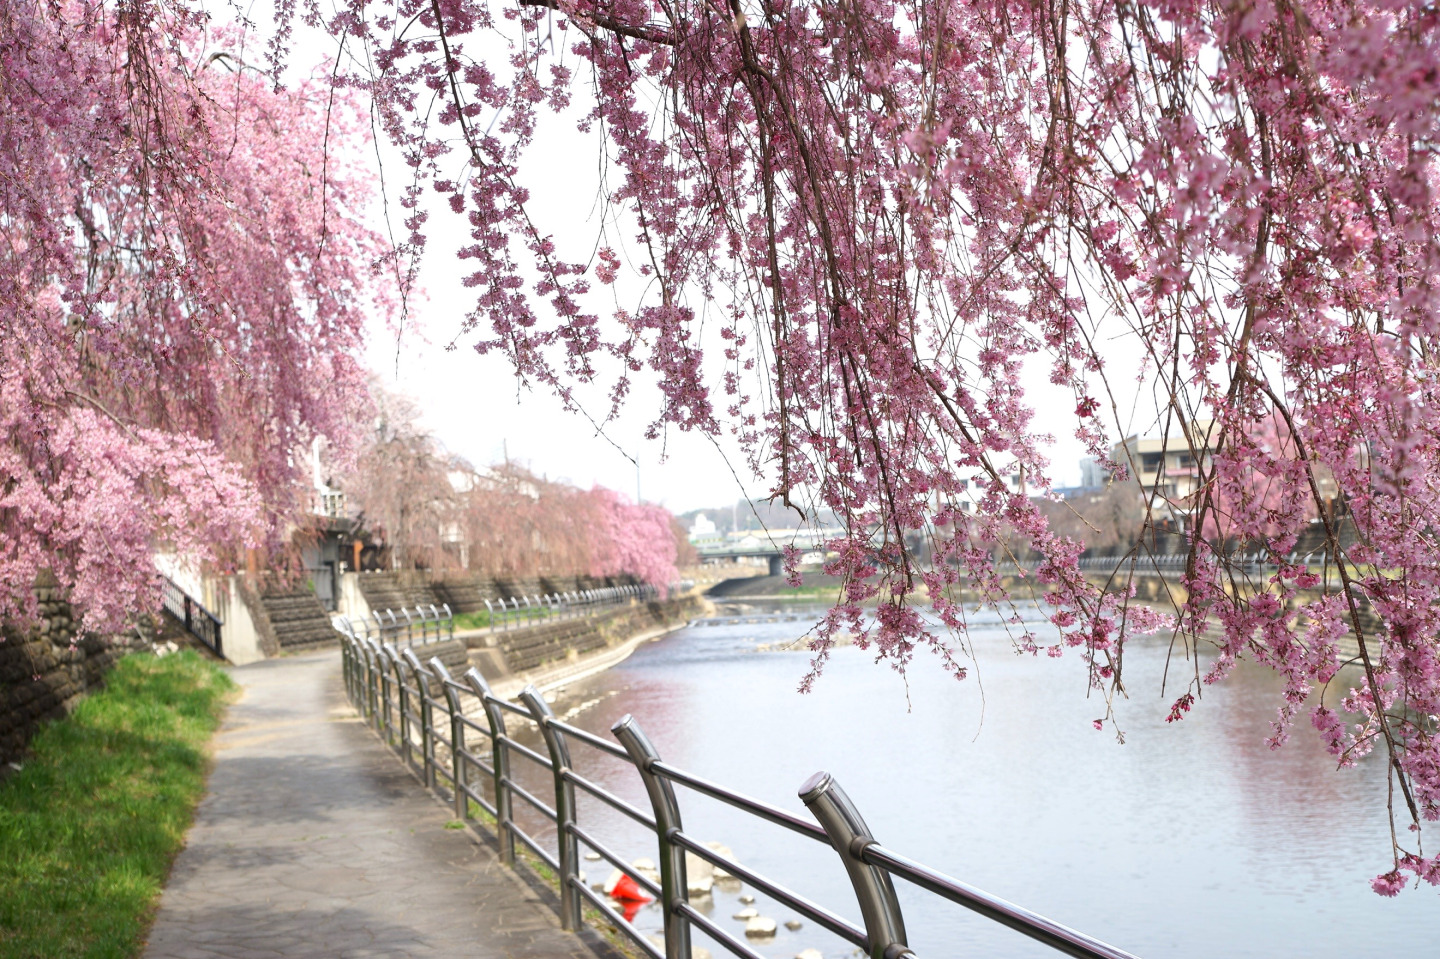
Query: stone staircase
pixel 396 591
pixel 298 620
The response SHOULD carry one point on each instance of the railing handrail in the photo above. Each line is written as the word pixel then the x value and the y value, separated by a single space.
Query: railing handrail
pixel 407 711
pixel 198 621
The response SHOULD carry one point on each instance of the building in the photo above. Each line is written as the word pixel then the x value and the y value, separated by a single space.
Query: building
pixel 1170 466
pixel 703 533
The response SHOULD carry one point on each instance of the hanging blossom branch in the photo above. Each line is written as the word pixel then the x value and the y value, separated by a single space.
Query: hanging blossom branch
pixel 185 289
pixel 896 205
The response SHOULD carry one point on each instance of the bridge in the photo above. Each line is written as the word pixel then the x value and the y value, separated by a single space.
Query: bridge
pixel 769 544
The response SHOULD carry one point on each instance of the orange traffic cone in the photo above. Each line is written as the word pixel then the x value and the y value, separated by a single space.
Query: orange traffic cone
pixel 622 887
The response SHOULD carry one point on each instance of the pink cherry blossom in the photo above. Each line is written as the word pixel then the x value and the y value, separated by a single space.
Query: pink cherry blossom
pixel 185 287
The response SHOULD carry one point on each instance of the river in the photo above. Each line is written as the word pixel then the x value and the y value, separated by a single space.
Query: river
pixel 1192 839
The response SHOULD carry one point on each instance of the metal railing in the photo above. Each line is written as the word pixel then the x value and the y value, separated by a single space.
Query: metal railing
pixel 420 710
pixel 198 621
pixel 521 610
pixel 410 626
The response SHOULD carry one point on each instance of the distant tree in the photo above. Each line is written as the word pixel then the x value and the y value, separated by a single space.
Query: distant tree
pixel 1108 521
pixel 635 539
pixel 401 484
pixel 520 524
pixel 184 290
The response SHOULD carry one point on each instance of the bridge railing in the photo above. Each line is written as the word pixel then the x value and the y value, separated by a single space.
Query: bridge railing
pixel 197 620
pixel 518 611
pixel 453 734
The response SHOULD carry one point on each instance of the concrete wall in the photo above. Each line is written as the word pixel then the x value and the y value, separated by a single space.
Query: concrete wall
pixel 240 637
pixel 351 601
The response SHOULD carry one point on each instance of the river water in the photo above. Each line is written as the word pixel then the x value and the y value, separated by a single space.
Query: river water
pixel 1192 839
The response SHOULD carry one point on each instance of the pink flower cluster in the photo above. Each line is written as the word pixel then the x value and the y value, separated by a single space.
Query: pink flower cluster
pixel 184 292
pixel 894 206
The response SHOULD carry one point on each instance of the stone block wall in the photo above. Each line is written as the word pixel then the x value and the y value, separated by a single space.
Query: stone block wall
pixel 42 675
pixel 465 592
pixel 547 643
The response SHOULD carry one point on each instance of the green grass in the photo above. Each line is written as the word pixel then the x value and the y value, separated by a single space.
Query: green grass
pixel 90 824
pixel 481 620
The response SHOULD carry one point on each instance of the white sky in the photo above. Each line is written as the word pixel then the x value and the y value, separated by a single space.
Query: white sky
pixel 473 403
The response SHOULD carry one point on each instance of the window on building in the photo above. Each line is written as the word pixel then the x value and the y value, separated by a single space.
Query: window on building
pixel 1150 462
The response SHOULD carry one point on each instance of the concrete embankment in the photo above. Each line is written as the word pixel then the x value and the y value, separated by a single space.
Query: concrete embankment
pixel 550 653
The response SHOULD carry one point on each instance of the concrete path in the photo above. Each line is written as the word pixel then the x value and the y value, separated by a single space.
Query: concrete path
pixel 314 841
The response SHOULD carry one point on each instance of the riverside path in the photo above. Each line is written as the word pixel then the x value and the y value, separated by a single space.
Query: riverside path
pixel 313 840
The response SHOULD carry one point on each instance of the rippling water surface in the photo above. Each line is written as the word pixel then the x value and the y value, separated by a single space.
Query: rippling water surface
pixel 1192 839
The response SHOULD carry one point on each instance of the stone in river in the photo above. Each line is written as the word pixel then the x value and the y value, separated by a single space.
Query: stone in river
pixel 747 899
pixel 699 875
pixel 720 874
pixel 746 914
pixel 808 953
pixel 646 868
pixel 759 927
pixel 592 856
pixel 793 924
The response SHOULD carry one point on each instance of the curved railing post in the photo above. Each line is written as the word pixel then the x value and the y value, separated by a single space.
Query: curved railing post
pixel 402 696
pixel 499 763
pixel 674 889
pixel 427 741
pixel 384 725
pixel 566 845
pixel 837 815
pixel 373 680
pixel 347 671
pixel 347 668
pixel 457 736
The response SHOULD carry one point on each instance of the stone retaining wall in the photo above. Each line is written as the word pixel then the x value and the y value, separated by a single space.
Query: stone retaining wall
pixel 42 675
pixel 545 644
pixel 465 592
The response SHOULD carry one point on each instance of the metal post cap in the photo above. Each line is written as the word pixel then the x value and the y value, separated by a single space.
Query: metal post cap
pixel 815 787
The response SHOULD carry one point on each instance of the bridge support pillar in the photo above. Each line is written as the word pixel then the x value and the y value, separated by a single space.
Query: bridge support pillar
pixel 776 565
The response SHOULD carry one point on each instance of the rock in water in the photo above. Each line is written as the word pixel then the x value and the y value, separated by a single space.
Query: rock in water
pixel 793 924
pixel 808 953
pixel 699 875
pixel 759 927
pixel 720 874
pixel 747 899
pixel 646 868
pixel 745 914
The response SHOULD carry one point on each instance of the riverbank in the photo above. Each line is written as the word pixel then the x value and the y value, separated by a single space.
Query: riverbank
pixel 550 653
pixel 91 821
pixel 814 586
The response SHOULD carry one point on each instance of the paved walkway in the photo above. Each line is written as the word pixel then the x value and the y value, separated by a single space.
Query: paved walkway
pixel 314 841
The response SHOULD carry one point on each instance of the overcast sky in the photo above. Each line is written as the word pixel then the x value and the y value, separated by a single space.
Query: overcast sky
pixel 474 405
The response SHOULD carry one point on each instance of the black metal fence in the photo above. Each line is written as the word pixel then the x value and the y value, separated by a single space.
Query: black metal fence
pixel 198 621
pixel 419 709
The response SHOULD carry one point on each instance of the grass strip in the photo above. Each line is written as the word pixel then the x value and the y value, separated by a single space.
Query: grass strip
pixel 91 823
